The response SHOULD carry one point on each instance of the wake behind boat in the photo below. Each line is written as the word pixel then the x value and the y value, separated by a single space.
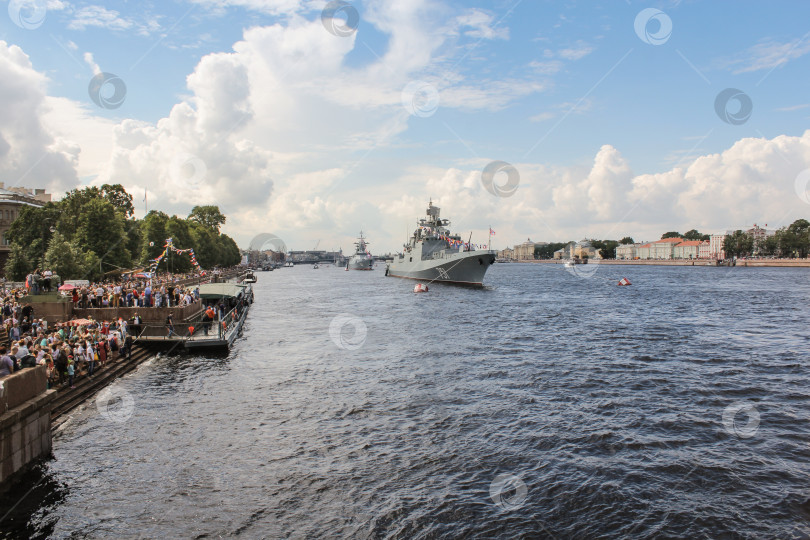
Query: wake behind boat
pixel 434 254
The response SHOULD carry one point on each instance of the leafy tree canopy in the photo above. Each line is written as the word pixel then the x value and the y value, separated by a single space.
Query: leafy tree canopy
pixel 91 231
pixel 69 261
pixel 208 216
pixel 17 266
pixel 693 234
pixel 547 251
pixel 738 244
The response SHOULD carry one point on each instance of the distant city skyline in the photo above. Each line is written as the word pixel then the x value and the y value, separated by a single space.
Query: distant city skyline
pixel 560 122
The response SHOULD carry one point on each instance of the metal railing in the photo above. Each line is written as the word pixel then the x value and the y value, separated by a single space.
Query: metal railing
pixel 218 328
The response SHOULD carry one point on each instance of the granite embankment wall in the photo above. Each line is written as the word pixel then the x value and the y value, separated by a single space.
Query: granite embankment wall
pixel 25 420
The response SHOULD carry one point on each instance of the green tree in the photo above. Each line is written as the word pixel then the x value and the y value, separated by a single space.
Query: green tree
pixel 119 198
pixel 547 251
pixel 73 204
pixel 153 235
pixel 795 239
pixel 229 254
pixel 132 230
pixel 671 234
pixel 693 234
pixel 32 230
pixel 17 265
pixel 206 244
pixel 606 248
pixel 70 262
pixel 178 230
pixel 608 251
pixel 627 240
pixel 208 216
pixel 770 245
pixel 100 229
pixel 738 244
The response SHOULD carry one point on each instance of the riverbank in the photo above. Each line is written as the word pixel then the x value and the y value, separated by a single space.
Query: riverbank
pixel 29 413
pixel 629 377
pixel 56 308
pixel 765 263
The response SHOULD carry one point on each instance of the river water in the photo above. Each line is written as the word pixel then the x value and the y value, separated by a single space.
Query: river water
pixel 548 404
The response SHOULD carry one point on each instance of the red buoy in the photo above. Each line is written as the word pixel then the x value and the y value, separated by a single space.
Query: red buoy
pixel 420 288
pixel 624 282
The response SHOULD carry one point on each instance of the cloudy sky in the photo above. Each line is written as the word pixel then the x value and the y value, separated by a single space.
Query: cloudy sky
pixel 313 120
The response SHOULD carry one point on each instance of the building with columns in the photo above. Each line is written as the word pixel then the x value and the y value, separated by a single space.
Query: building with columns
pixel 525 251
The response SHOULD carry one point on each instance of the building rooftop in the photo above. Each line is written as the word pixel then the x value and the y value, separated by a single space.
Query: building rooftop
pixel 23 194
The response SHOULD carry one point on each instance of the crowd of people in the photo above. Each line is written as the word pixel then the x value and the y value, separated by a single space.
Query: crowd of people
pixel 72 349
pixel 67 350
pixel 134 290
pixel 134 294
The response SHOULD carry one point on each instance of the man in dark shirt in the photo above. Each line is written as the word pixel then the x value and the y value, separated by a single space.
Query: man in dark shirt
pixel 170 325
pixel 128 346
pixel 6 363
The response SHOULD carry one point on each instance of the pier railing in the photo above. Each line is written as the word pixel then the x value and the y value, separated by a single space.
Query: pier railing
pixel 218 328
pixel 152 314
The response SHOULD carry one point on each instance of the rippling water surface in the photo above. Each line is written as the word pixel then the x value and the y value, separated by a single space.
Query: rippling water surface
pixel 545 405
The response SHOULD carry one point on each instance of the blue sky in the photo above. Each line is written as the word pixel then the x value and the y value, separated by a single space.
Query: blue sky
pixel 307 135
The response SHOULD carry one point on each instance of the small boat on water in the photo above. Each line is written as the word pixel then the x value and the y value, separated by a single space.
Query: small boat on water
pixel 250 277
pixel 236 299
pixel 230 303
pixel 315 266
pixel 576 260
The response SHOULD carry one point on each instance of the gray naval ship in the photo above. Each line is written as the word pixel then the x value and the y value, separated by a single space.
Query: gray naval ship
pixel 362 259
pixel 434 254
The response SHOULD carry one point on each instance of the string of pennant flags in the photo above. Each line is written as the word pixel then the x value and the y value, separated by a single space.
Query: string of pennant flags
pixel 153 263
pixel 452 241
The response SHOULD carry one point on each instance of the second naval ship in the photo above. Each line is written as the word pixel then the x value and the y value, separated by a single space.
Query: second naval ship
pixel 362 259
pixel 434 254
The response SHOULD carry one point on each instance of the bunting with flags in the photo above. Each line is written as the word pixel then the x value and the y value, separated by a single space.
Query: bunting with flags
pixel 153 263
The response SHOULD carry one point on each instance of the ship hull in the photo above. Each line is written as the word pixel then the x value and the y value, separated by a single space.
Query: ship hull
pixel 357 263
pixel 465 268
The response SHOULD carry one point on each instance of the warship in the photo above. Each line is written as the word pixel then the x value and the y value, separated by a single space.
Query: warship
pixel 434 254
pixel 362 259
